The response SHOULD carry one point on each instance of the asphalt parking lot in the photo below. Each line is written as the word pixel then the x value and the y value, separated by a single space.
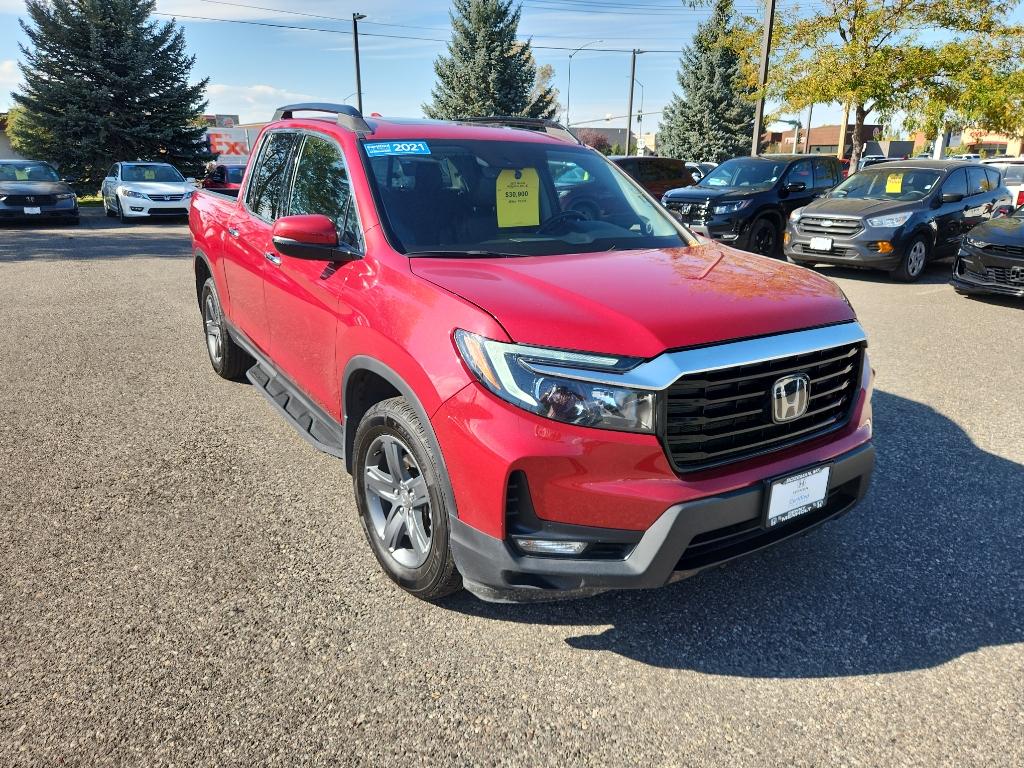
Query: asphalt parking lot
pixel 184 581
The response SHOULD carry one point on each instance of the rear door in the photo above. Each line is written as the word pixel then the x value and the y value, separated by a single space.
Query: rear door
pixel 981 198
pixel 248 242
pixel 826 175
pixel 305 297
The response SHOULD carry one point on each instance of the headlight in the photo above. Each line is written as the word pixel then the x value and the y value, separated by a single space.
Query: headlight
pixel 975 243
pixel 66 196
pixel 186 196
pixel 505 369
pixel 892 220
pixel 795 215
pixel 131 193
pixel 736 205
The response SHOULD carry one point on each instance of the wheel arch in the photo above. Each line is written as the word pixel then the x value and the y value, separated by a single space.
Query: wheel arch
pixel 203 271
pixel 367 381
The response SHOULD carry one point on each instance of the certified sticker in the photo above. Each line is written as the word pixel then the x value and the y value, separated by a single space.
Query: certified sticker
pixel 381 148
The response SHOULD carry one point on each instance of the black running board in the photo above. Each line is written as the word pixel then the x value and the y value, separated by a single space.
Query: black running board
pixel 311 421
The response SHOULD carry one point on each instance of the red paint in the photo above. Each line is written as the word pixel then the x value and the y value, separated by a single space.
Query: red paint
pixel 312 318
pixel 312 229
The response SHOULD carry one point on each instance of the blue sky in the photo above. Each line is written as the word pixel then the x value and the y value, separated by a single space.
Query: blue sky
pixel 253 69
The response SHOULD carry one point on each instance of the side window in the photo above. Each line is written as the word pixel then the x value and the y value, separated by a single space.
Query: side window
pixel 630 166
pixel 824 173
pixel 667 169
pixel 265 196
pixel 321 186
pixel 994 181
pixel 956 184
pixel 800 173
pixel 977 181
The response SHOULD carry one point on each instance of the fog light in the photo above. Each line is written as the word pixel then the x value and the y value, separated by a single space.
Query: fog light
pixel 136 208
pixel 884 246
pixel 550 547
pixel 786 238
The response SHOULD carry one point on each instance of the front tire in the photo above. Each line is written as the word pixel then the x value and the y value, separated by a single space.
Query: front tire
pixel 401 504
pixel 912 265
pixel 120 212
pixel 764 238
pixel 226 358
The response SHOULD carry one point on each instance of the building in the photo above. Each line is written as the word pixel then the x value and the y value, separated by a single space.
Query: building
pixel 646 142
pixel 824 140
pixel 975 140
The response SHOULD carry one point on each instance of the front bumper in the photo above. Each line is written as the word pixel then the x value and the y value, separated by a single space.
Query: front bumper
pixel 859 250
pixel 142 207
pixel 686 539
pixel 732 229
pixel 64 209
pixel 984 273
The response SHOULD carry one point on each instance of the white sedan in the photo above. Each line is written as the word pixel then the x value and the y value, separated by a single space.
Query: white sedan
pixel 135 190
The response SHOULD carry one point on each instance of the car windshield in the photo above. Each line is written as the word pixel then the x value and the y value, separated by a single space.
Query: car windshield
pixel 883 183
pixel 235 174
pixel 744 172
pixel 150 172
pixel 453 197
pixel 22 171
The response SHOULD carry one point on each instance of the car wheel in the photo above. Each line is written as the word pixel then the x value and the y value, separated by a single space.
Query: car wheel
pixel 228 359
pixel 106 209
pixel 401 504
pixel 764 237
pixel 912 265
pixel 120 212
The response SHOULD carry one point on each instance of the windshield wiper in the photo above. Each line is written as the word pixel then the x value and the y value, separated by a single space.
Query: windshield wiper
pixel 466 254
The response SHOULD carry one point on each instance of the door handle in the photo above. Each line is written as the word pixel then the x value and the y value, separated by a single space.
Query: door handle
pixel 232 231
pixel 273 258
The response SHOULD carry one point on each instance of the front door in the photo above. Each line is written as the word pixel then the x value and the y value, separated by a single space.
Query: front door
pixel 247 240
pixel 949 219
pixel 306 298
pixel 792 198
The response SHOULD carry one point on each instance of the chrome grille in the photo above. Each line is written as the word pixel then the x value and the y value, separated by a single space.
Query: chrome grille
pixel 829 226
pixel 166 198
pixel 688 210
pixel 722 416
pixel 30 200
pixel 999 249
pixel 1006 275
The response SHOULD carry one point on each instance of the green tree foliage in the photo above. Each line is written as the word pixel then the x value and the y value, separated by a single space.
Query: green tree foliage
pixel 487 70
pixel 885 56
pixel 713 116
pixel 103 82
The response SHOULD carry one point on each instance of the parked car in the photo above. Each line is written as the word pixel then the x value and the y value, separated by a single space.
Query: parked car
pixel 530 402
pixel 699 170
pixel 991 258
pixel 223 176
pixel 656 174
pixel 844 167
pixel 896 217
pixel 868 160
pixel 139 190
pixel 1012 171
pixel 33 190
pixel 969 156
pixel 745 202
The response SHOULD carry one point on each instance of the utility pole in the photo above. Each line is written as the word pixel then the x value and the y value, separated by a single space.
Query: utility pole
pixel 762 76
pixel 629 111
pixel 807 136
pixel 640 117
pixel 356 17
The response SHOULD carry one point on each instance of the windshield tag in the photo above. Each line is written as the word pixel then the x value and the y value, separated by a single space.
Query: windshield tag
pixel 381 148
pixel 517 194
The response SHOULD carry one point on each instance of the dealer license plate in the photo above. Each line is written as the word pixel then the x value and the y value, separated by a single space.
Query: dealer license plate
pixel 797 495
pixel 30 211
pixel 821 244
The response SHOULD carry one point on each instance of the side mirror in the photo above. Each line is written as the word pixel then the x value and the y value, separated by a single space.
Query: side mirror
pixel 795 186
pixel 951 197
pixel 312 237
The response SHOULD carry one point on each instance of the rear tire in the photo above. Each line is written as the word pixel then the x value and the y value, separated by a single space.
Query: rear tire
pixel 912 265
pixel 228 359
pixel 398 490
pixel 764 238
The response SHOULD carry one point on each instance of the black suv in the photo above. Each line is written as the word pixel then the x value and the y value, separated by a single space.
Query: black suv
pixel 745 202
pixel 897 216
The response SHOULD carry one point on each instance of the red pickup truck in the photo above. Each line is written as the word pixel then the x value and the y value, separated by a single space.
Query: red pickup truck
pixel 531 402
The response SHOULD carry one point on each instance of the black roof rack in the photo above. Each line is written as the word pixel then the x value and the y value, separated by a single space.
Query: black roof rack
pixel 348 116
pixel 539 124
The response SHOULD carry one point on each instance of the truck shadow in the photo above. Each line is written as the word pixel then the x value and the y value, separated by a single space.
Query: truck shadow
pixel 929 568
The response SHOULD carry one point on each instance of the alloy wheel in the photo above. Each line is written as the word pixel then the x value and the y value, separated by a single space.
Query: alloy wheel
pixel 398 501
pixel 214 337
pixel 916 259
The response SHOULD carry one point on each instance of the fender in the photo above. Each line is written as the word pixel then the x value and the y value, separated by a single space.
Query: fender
pixel 366 363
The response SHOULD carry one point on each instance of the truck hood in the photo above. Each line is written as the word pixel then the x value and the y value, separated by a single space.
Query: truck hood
pixel 641 303
pixel 845 206
pixel 706 194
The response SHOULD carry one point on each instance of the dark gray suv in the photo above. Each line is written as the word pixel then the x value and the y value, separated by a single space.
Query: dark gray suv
pixel 897 216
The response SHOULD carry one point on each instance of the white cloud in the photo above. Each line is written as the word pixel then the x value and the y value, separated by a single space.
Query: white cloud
pixel 10 78
pixel 252 103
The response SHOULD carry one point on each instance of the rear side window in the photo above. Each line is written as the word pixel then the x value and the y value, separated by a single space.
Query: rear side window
pixel 977 181
pixel 1014 174
pixel 322 186
pixel 265 196
pixel 825 174
pixel 956 184
pixel 993 178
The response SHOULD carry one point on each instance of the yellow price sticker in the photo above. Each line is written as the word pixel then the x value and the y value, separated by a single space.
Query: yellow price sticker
pixel 149 174
pixel 518 198
pixel 894 184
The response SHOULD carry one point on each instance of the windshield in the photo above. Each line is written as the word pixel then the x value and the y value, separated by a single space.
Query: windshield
pixel 150 172
pixel 27 172
pixel 479 198
pixel 744 172
pixel 906 184
pixel 235 174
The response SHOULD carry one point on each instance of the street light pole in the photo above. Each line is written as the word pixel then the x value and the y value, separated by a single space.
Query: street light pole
pixel 355 47
pixel 568 86
pixel 629 111
pixel 762 76
pixel 640 117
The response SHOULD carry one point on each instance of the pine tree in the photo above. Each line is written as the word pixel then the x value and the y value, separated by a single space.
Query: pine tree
pixel 487 70
pixel 713 118
pixel 102 83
